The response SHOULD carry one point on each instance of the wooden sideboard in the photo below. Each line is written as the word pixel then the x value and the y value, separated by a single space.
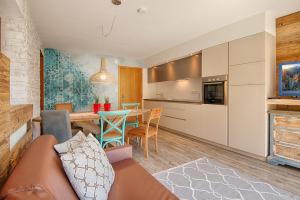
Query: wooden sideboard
pixel 284 138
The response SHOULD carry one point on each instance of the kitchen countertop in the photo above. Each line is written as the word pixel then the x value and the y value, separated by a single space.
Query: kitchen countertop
pixel 175 100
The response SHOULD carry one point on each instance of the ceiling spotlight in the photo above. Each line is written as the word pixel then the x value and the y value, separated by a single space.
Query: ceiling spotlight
pixel 116 2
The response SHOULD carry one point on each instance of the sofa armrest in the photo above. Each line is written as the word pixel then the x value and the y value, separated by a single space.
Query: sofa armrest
pixel 116 154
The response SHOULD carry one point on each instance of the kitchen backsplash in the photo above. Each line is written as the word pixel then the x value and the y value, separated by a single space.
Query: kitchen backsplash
pixel 190 89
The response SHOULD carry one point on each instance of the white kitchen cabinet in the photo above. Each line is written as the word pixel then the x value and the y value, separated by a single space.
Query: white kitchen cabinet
pixel 248 49
pixel 251 79
pixel 215 60
pixel 248 119
pixel 247 74
pixel 208 122
pixel 173 114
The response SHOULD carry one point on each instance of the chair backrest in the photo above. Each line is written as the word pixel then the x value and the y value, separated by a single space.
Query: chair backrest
pixel 57 123
pixel 154 118
pixel 126 106
pixel 64 106
pixel 115 121
pixel 134 106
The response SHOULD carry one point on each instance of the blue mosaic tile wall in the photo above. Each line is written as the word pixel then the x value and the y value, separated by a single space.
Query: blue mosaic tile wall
pixel 65 82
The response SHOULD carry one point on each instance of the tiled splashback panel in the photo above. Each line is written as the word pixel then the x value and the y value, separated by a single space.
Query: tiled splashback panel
pixel 65 82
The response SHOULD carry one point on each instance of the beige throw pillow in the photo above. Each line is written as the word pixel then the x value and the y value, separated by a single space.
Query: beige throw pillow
pixel 89 170
pixel 70 144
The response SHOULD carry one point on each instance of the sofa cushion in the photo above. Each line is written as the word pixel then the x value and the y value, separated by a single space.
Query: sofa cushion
pixel 89 170
pixel 70 144
pixel 40 165
pixel 133 182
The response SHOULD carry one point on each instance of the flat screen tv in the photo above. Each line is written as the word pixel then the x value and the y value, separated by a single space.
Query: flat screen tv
pixel 289 79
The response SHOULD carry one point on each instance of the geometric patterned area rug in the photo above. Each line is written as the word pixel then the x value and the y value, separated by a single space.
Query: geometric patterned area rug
pixel 206 179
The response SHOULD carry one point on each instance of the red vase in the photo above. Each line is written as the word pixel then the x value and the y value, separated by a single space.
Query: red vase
pixel 107 106
pixel 96 107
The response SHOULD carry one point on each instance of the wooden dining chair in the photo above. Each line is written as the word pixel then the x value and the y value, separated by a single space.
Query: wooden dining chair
pixel 112 127
pixel 64 106
pixel 147 130
pixel 132 121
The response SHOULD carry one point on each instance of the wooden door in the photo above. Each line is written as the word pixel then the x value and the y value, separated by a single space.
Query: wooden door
pixel 130 85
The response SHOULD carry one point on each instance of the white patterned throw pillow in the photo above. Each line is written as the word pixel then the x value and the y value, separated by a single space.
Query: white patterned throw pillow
pixel 70 144
pixel 89 170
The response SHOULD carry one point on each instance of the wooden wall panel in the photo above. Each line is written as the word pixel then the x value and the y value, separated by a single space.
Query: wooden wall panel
pixel 11 119
pixel 19 116
pixel 5 81
pixel 288 38
pixel 4 145
pixel 287 45
pixel 4 118
pixel 18 150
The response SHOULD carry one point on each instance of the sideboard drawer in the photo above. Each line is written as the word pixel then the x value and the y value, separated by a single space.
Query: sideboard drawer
pixel 287 136
pixel 286 121
pixel 287 151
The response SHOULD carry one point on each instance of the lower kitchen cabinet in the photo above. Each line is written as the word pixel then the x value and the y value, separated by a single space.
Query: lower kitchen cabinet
pixel 248 119
pixel 208 122
pixel 204 121
pixel 173 114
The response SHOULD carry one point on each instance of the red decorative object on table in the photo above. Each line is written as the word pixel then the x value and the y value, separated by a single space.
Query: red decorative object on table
pixel 107 105
pixel 96 107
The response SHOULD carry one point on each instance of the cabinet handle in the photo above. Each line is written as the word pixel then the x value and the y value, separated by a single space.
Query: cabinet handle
pixel 174 117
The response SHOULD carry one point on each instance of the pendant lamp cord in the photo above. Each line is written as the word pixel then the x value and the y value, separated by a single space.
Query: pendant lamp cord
pixel 111 28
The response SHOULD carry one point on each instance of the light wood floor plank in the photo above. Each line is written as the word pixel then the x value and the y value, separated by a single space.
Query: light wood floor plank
pixel 174 150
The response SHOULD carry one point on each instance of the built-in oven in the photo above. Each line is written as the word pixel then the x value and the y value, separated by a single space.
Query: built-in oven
pixel 214 89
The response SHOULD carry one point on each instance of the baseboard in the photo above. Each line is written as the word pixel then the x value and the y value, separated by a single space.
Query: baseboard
pixel 214 144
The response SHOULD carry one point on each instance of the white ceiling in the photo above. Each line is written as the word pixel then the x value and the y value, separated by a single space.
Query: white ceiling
pixel 75 24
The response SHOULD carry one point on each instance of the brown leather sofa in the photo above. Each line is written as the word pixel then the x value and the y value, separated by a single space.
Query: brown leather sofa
pixel 40 175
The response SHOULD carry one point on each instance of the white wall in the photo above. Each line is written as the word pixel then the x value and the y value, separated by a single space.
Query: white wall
pixel 255 24
pixel 21 43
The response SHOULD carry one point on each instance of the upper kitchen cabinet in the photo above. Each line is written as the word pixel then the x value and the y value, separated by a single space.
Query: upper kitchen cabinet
pixel 215 60
pixel 189 67
pixel 152 74
pixel 247 74
pixel 161 73
pixel 247 50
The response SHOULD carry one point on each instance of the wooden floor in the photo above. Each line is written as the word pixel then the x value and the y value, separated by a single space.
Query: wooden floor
pixel 175 150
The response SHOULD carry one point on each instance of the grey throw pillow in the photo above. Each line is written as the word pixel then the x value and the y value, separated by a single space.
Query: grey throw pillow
pixel 89 170
pixel 70 144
